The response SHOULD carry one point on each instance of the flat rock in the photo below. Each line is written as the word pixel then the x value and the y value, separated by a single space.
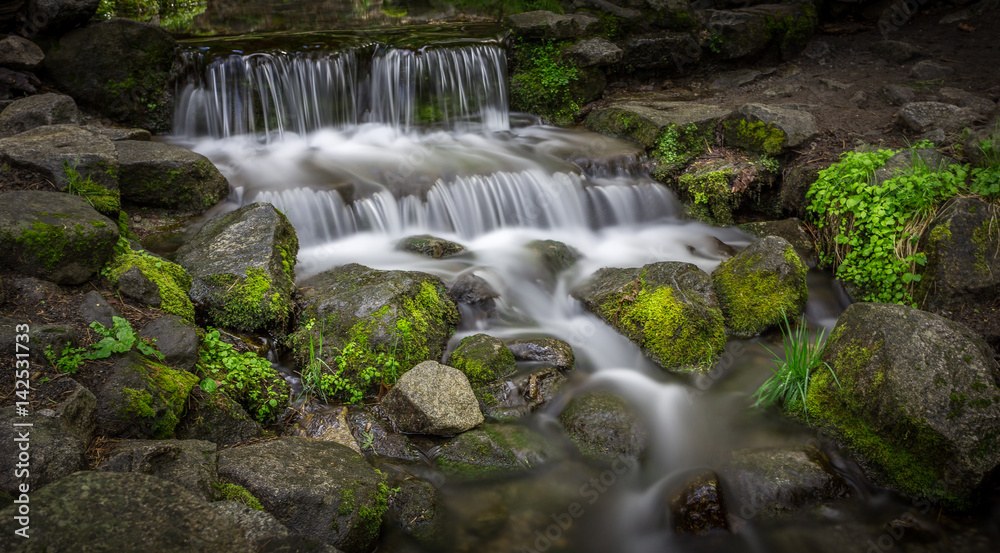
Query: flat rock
pixel 545 24
pixel 775 480
pixel 550 351
pixel 595 52
pixel 430 246
pixel 770 129
pixel 643 121
pixel 924 116
pixel 495 450
pixel 157 174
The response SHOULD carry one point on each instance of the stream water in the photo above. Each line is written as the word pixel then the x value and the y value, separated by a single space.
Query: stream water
pixel 363 146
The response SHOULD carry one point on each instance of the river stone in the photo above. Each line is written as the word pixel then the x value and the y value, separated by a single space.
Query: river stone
pixel 482 359
pixel 373 433
pixel 963 256
pixel 54 236
pixel 242 266
pixel 325 425
pixel 94 308
pixel 646 121
pixel 101 511
pixel 157 174
pixel 495 450
pixel 215 417
pixel 924 116
pixel 20 53
pixel 917 400
pixel 142 399
pixel 55 151
pixel 512 399
pixel 594 52
pixel 927 70
pixel 430 246
pixel 37 111
pixel 54 451
pixel 321 490
pixel 432 398
pixel 761 286
pixel 550 351
pixel 554 256
pixel 775 480
pixel 121 68
pixel 769 129
pixel 258 527
pixel 475 291
pixel 604 427
pixel 418 510
pixel 699 507
pixel 545 24
pixel 176 338
pixel 76 410
pixel 190 464
pixel 668 309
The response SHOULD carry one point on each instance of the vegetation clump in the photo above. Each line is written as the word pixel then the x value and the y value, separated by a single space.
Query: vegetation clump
pixel 171 280
pixel 247 377
pixel 541 82
pixel 120 338
pixel 789 385
pixel 105 201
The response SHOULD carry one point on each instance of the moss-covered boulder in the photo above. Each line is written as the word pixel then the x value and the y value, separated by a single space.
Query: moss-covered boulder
pixel 483 359
pixel 120 67
pixel 37 111
pixel 430 246
pixel 761 286
pixel 418 511
pixel 776 480
pixel 495 450
pixel 768 130
pixel 754 31
pixel 215 417
pixel 190 464
pixel 54 450
pixel 142 399
pixel 152 280
pixel 242 265
pixel 157 174
pixel 432 398
pixel 553 256
pixel 721 191
pixel 366 317
pixel 604 426
pixel 668 309
pixel 53 236
pixel 322 490
pixel 915 397
pixel 72 159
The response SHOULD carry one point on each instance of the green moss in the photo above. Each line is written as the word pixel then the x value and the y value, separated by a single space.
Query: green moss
pixel 48 242
pixel 711 195
pixel 676 146
pixel 248 303
pixel 981 237
pixel 371 516
pixel 234 492
pixel 754 300
pixel 171 387
pixel 139 403
pixel 105 201
pixel 541 81
pixel 483 359
pixel 755 137
pixel 347 502
pixel 170 278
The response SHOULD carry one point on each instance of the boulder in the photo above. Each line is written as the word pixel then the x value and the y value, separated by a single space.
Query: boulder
pixel 157 174
pixel 475 291
pixel 142 399
pixel 699 507
pixel 94 308
pixel 721 190
pixel 672 51
pixel 153 281
pixel 326 424
pixel 430 246
pixel 432 398
pixel 542 24
pixel 751 32
pixel 668 309
pixel 517 397
pixel 56 16
pixel 482 359
pixel 215 417
pixel 419 511
pixel 54 452
pixel 915 397
pixel 768 129
pixel 117 134
pixel 495 450
pixel 906 160
pixel 899 95
pixel 321 490
pixel 761 286
pixel 176 338
pixel 552 352
pixel 373 432
pixel 71 158
pixel 924 116
pixel 259 528
pixel 20 53
pixel 776 480
pixel 190 464
pixel 120 67
pixel 242 266
pixel 116 511
pixel 594 52
pixel 76 409
pixel 54 236
pixel 554 256
pixel 604 427
pixel 37 111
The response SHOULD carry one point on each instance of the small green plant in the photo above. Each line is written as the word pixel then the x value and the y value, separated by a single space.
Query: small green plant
pixel 541 83
pixel 367 440
pixel 247 377
pixel 321 380
pixel 789 384
pixel 99 197
pixel 715 43
pixel 120 338
pixel 234 492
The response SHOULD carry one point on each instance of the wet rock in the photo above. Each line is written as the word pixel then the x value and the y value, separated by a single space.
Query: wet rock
pixel 374 434
pixel 121 68
pixel 545 24
pixel 321 490
pixel 475 291
pixel 515 398
pixel 117 134
pixel 190 464
pixel 55 452
pixel 242 266
pixel 668 309
pixel 722 190
pixel 20 53
pixel 157 174
pixel 94 308
pixel 550 351
pixel 589 85
pixel 916 400
pixel 417 509
pixel 898 95
pixel 495 450
pixel 430 246
pixel 215 417
pixel 769 129
pixel 896 51
pixel 142 399
pixel 646 121
pixel 792 230
pixel 432 398
pixel 176 338
pixel 775 480
pixel 482 359
pixel 259 528
pixel 930 71
pixel 37 111
pixel 326 425
pixel 120 510
pixel 554 256
pixel 761 286
pixel 76 410
pixel 699 507
pixel 594 52
pixel 672 51
pixel 67 156
pixel 55 16
pixel 604 427
pixel 54 236
pixel 924 116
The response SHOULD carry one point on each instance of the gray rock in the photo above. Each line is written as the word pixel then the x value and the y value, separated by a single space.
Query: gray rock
pixel 54 338
pixel 242 266
pixel 118 511
pixel 20 53
pixel 896 51
pixel 775 480
pixel 983 106
pixel 34 289
pixel 190 464
pixel 594 52
pixel 604 427
pixel 134 284
pixel 76 411
pixel 54 236
pixel 431 246
pixel 14 84
pixel 935 136
pixel 554 256
pixel 924 116
pixel 916 400
pixel 142 399
pixel 55 16
pixel 782 128
pixel 117 134
pixel 550 351
pixel 518 396
pixel 545 24
pixel 432 398
pixel 94 308
pixel 216 418
pixel 473 290
pixel 782 90
pixel 930 71
pixel 54 451
pixel 258 527
pixel 897 94
pixel 176 338
pixel 735 79
pixel 482 359
pixel 156 174
pixel 419 511
pixel 37 111
pixel 644 121
pixel 321 490
pixel 737 34
pixel 495 450
pixel 326 424
pixel 833 84
pixel 662 50
pixel 699 507
pixel 374 434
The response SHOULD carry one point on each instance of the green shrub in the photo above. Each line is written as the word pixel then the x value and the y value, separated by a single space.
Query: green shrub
pixel 541 82
pixel 247 377
pixel 120 338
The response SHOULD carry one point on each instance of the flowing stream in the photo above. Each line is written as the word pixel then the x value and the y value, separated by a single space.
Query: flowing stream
pixel 363 146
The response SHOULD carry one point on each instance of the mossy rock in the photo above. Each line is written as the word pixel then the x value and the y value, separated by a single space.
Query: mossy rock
pixel 768 130
pixel 604 427
pixel 54 236
pixel 406 315
pixel 495 450
pixel 217 418
pixel 153 281
pixel 761 286
pixel 143 399
pixel 157 174
pixel 554 256
pixel 483 359
pixel 668 309
pixel 757 31
pixel 242 265
pixel 792 230
pixel 646 121
pixel 517 397
pixel 707 189
pixel 419 511
pixel 915 398
pixel 431 246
